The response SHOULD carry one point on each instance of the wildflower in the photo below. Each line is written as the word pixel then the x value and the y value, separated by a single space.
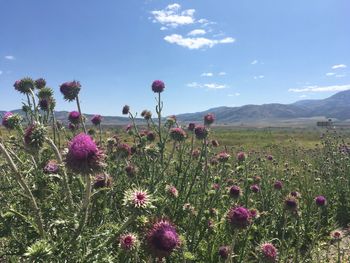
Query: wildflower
pixel 146 114
pixel 278 185
pixel 83 154
pixel 209 119
pixel 191 126
pixel 201 132
pixel 268 252
pixel 158 86
pixel 25 85
pixel 44 104
pixel 96 119
pixel 70 90
pixel 123 150
pixel 72 126
pixel 320 200
pixel 40 83
pixel 196 153
pixel 34 136
pixel 177 134
pixel 291 203
pixel 172 191
pixel 51 167
pixel 295 194
pixel 162 239
pixel 235 191
pixel 223 157
pixel 74 117
pixel 102 180
pixel 129 242
pixel 215 143
pixel 138 198
pixel 255 188
pixel 224 252
pixel 10 120
pixel 214 161
pixel 269 157
pixel 337 235
pixel 126 110
pixel 241 156
pixel 130 170
pixel 239 217
pixel 254 213
pixel 151 136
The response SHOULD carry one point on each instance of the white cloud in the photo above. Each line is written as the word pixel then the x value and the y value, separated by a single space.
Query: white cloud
pixel 196 42
pixel 171 16
pixel 303 96
pixel 339 66
pixel 207 74
pixel 214 86
pixel 259 77
pixel 330 74
pixel 222 73
pixel 340 75
pixel 321 88
pixel 234 95
pixel 163 28
pixel 193 85
pixel 254 62
pixel 9 57
pixel 0 72
pixel 196 32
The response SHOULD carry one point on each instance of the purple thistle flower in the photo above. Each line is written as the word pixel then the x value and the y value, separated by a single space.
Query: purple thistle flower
pixel 126 110
pixel 129 242
pixel 158 86
pixel 224 252
pixel 44 104
pixel 162 239
pixel 73 127
pixel 209 119
pixel 96 119
pixel 123 150
pixel 70 90
pixel 102 181
pixel 295 194
pixel 151 136
pixel 51 167
pixel 239 217
pixel 201 132
pixel 40 83
pixel 74 117
pixel 320 200
pixel 336 235
pixel 291 203
pixel 235 191
pixel 83 154
pixel 278 185
pixel 241 156
pixel 130 170
pixel 34 136
pixel 5 120
pixel 255 188
pixel 177 134
pixel 191 126
pixel 268 252
pixel 172 191
pixel 223 157
pixel 269 157
pixel 25 85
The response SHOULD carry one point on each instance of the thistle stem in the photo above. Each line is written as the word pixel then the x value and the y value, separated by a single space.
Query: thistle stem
pixel 81 116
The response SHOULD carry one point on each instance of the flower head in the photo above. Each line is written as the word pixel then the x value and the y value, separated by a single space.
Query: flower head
pixel 138 199
pixel 70 90
pixel 130 170
pixel 337 235
pixel 158 86
pixel 83 154
pixel 239 217
pixel 40 83
pixel 102 181
pixel 291 203
pixel 74 117
pixel 34 136
pixel 162 239
pixel 241 156
pixel 177 134
pixel 51 167
pixel 129 242
pixel 191 126
pixel 255 188
pixel 224 252
pixel 201 132
pixel 278 185
pixel 10 120
pixel 126 109
pixel 209 119
pixel 123 150
pixel 25 85
pixel 96 119
pixel 268 252
pixel 320 200
pixel 235 191
pixel 223 157
pixel 172 191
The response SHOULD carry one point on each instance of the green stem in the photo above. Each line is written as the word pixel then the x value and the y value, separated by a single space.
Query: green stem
pixel 81 116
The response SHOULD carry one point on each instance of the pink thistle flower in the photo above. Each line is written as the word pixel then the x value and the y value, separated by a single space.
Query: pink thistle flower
pixel 278 185
pixel 209 119
pixel 123 150
pixel 40 83
pixel 70 90
pixel 162 239
pixel 177 134
pixel 129 242
pixel 191 126
pixel 235 191
pixel 337 235
pixel 320 200
pixel 241 156
pixel 255 188
pixel 51 167
pixel 172 191
pixel 96 119
pixel 74 117
pixel 138 198
pixel 223 157
pixel 201 132
pixel 224 252
pixel 268 252
pixel 239 217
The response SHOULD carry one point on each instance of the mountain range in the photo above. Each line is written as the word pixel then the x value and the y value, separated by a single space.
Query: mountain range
pixel 336 107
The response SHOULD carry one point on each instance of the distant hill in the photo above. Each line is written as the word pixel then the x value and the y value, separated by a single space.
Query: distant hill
pixel 336 107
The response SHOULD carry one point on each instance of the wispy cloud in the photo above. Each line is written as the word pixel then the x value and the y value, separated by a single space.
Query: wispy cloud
pixel 234 95
pixel 340 75
pixel 330 74
pixel 254 62
pixel 211 86
pixel 303 96
pixel 339 66
pixel 196 42
pixel 197 32
pixel 222 73
pixel 9 57
pixel 259 77
pixel 207 74
pixel 172 16
pixel 321 88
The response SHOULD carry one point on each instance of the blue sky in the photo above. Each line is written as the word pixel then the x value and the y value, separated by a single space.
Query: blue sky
pixel 209 53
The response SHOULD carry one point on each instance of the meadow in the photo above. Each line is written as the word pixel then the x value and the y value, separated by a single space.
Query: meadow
pixel 166 191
